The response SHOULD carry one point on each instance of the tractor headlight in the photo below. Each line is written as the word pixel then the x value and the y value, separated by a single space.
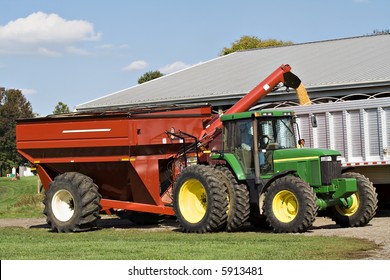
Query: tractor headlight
pixel 327 158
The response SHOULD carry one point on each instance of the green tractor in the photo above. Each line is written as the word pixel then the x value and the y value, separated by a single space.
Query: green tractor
pixel 260 174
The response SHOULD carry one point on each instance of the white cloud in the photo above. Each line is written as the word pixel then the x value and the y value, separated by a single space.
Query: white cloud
pixel 174 67
pixel 136 65
pixel 45 34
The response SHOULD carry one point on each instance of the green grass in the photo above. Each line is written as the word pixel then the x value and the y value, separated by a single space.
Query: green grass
pixel 117 244
pixel 19 199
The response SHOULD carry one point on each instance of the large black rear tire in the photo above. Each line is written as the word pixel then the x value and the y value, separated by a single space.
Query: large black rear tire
pixel 290 205
pixel 238 200
pixel 72 203
pixel 200 201
pixel 364 204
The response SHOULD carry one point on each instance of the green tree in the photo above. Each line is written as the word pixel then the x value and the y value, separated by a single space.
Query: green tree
pixel 380 32
pixel 13 106
pixel 253 42
pixel 148 76
pixel 61 108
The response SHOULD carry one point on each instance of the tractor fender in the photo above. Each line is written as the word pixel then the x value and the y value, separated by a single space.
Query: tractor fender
pixel 277 176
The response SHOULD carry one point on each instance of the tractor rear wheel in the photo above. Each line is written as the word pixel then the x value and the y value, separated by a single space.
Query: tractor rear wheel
pixel 238 200
pixel 289 205
pixel 72 203
pixel 200 201
pixel 363 206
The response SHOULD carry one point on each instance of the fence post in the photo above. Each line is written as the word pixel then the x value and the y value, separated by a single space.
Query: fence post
pixel 38 185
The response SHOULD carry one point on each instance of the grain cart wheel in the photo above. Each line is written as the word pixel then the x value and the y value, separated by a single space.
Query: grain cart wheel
pixel 200 201
pixel 238 200
pixel 289 205
pixel 72 203
pixel 363 205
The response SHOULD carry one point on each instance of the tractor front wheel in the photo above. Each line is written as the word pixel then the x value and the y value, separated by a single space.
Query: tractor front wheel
pixel 289 205
pixel 200 201
pixel 72 203
pixel 362 207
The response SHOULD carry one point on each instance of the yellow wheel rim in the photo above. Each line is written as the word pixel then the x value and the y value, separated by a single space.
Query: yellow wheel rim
pixel 352 209
pixel 285 206
pixel 193 201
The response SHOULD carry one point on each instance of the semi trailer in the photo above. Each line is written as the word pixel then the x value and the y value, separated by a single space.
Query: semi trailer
pixel 211 172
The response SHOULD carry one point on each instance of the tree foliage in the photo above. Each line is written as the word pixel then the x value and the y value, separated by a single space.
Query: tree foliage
pixel 253 42
pixel 61 108
pixel 148 76
pixel 13 106
pixel 380 32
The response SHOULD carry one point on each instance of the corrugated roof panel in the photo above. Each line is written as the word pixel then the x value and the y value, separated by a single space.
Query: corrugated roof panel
pixel 340 62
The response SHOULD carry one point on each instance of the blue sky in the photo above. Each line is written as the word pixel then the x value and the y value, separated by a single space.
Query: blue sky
pixel 75 51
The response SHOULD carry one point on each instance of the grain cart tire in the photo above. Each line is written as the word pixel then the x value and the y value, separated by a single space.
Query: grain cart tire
pixel 238 200
pixel 200 201
pixel 72 203
pixel 290 205
pixel 363 207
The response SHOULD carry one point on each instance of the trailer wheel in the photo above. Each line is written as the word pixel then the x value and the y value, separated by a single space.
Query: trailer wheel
pixel 72 203
pixel 200 201
pixel 238 200
pixel 363 206
pixel 289 205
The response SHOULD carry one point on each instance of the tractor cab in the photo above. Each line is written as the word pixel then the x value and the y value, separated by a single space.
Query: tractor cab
pixel 252 137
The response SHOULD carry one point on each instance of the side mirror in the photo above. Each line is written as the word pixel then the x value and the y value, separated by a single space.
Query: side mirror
pixel 313 120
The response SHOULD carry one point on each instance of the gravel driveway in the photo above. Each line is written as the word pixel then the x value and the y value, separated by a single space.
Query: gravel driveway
pixel 378 230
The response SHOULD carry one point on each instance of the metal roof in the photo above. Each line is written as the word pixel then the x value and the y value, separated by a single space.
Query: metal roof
pixel 342 64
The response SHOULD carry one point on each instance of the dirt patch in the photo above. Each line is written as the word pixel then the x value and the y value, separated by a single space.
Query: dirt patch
pixel 378 230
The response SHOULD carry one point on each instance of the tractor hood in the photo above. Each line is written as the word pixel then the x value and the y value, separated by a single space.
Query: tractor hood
pixel 302 154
